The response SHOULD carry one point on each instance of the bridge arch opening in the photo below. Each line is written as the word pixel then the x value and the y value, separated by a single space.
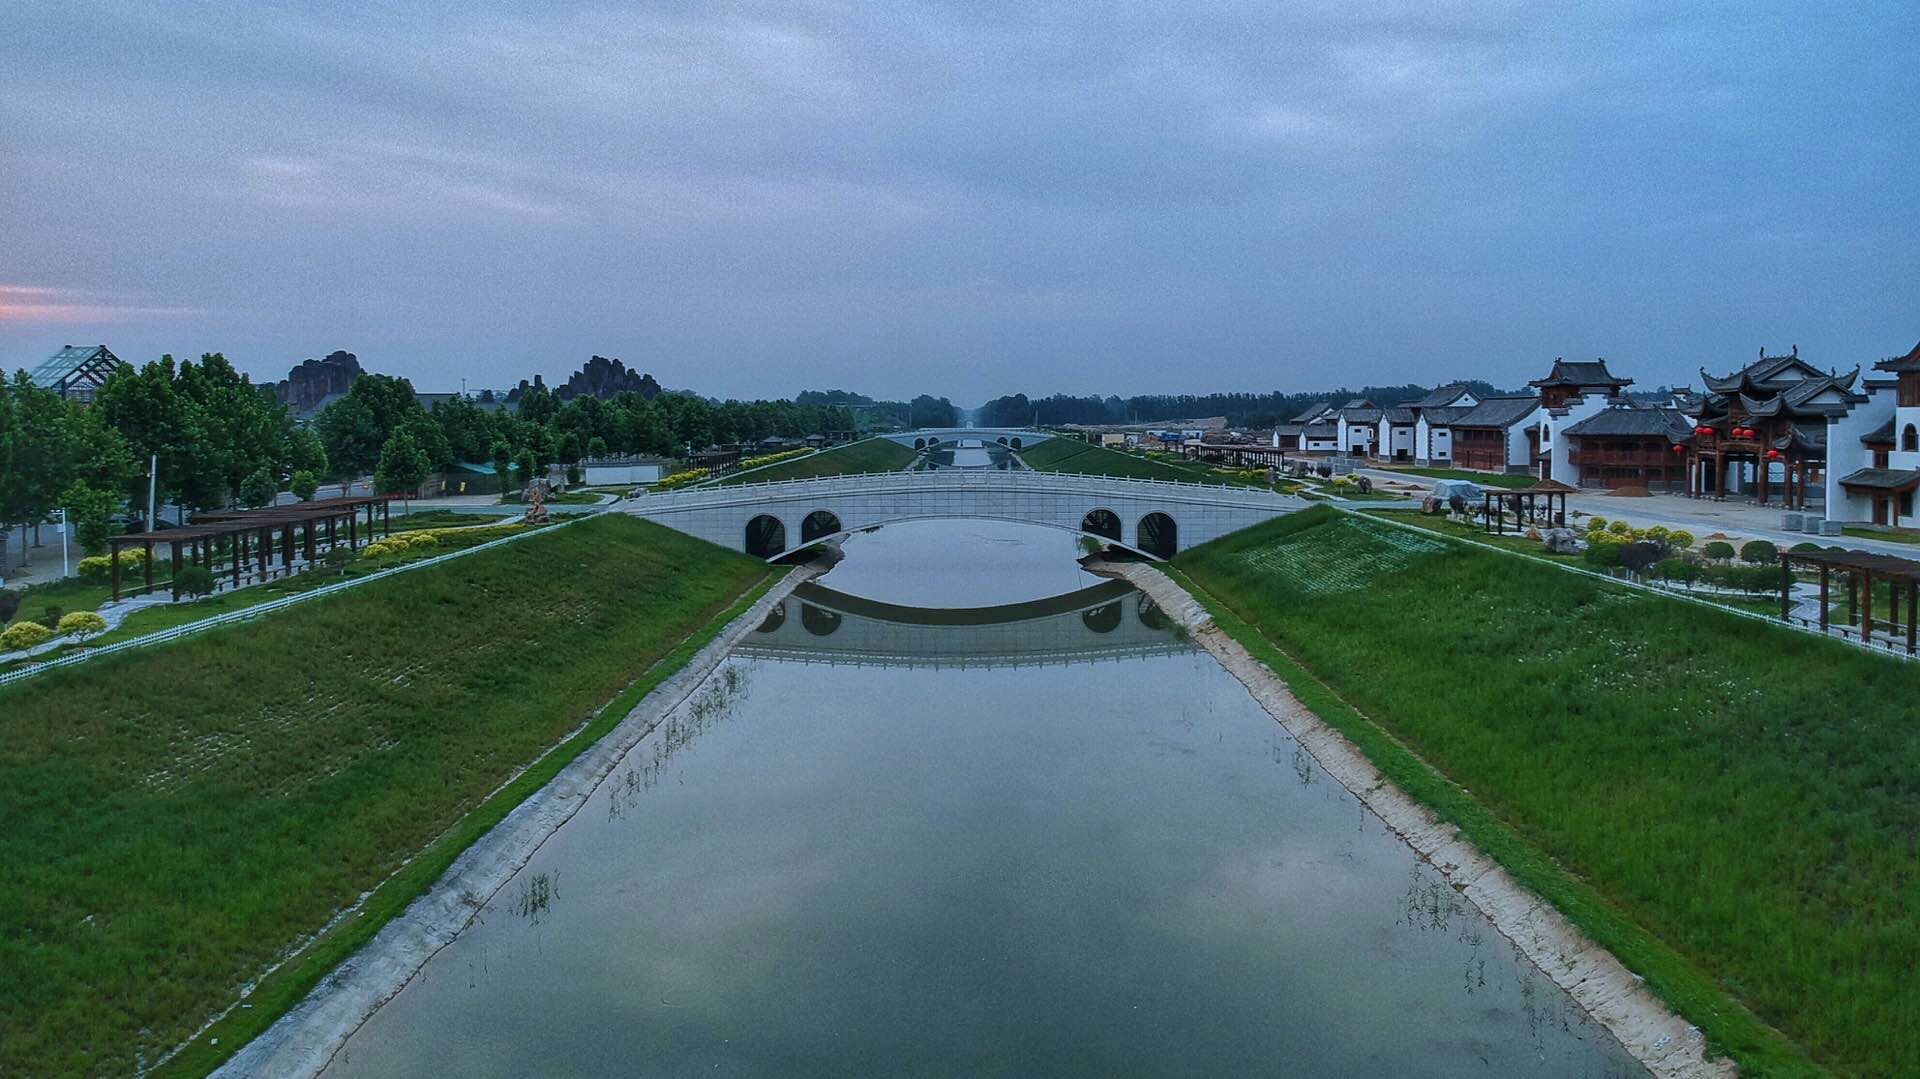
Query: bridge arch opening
pixel 818 620
pixel 766 536
pixel 818 525
pixel 1104 523
pixel 1158 535
pixel 1002 440
pixel 774 618
pixel 919 443
pixel 1104 618
pixel 1014 442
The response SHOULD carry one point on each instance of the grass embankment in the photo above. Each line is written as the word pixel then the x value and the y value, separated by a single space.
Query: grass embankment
pixel 1895 535
pixel 178 817
pixel 867 455
pixel 1735 805
pixel 1484 479
pixel 1069 455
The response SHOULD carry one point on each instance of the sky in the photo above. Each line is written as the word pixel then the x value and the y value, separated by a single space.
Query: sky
pixel 966 199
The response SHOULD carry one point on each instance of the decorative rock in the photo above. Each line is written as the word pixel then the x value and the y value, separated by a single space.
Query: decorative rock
pixel 1562 541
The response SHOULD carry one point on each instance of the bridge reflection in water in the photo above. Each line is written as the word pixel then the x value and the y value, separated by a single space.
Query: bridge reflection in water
pixel 1108 621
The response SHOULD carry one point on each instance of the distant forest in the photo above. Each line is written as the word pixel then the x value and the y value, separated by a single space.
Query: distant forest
pixel 1240 409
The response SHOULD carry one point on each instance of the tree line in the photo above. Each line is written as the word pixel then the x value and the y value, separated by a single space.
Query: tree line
pixel 1240 409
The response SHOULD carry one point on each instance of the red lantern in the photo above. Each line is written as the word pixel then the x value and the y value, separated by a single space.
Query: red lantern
pixel 1703 430
pixel 1679 449
pixel 1773 455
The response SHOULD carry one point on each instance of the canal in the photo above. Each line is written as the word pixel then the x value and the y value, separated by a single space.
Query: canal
pixel 961 808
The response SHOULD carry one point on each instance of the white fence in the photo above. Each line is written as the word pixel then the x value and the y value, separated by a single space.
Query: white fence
pixel 281 604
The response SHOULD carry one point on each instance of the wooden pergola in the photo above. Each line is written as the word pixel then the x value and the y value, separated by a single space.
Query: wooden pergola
pixel 1861 567
pixel 245 538
pixel 1526 505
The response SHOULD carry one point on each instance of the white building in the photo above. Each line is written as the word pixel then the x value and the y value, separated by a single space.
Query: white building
pixel 1570 393
pixel 613 471
pixel 1432 437
pixel 1355 426
pixel 1873 449
pixel 1394 435
pixel 1497 434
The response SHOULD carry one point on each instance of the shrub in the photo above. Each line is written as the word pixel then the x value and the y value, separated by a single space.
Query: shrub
pixel 303 484
pixel 1620 528
pixel 1640 556
pixel 81 624
pixel 1656 534
pixel 1596 523
pixel 24 635
pixel 1603 554
pixel 1800 548
pixel 1680 539
pixel 1720 550
pixel 50 616
pixel 194 581
pixel 1758 551
pixel 9 603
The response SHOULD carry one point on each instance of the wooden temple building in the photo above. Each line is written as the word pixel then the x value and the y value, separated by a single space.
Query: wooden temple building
pixel 1763 429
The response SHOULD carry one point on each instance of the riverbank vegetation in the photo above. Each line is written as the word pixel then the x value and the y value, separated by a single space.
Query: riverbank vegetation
pixel 1070 455
pixel 179 817
pixel 867 455
pixel 1738 798
pixel 1505 480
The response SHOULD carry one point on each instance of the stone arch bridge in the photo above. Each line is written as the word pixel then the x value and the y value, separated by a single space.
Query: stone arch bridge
pixel 1014 438
pixel 1152 517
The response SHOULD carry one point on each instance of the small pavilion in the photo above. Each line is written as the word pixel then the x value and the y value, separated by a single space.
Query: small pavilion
pixel 1862 568
pixel 1531 506
pixel 240 543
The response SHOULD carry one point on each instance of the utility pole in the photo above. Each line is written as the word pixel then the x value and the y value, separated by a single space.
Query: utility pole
pixel 153 488
pixel 63 541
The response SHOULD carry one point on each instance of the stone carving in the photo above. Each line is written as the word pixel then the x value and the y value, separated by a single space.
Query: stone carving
pixel 535 496
pixel 1562 541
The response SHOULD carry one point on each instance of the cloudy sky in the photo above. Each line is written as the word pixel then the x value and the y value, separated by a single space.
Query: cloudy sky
pixel 962 198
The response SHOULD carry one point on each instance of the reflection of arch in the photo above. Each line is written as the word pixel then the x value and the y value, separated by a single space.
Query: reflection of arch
pixel 1151 616
pixel 1015 443
pixel 774 618
pixel 1102 522
pixel 1102 619
pixel 818 620
pixel 766 536
pixel 1910 438
pixel 817 524
pixel 1158 535
pixel 919 443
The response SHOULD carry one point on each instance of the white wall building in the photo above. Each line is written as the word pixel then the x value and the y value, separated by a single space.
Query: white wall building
pixel 1873 449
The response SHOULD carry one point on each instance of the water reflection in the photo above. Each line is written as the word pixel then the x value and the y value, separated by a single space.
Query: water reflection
pixel 977 840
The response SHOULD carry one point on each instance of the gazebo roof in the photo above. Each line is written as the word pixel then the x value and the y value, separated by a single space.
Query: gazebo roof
pixel 1880 565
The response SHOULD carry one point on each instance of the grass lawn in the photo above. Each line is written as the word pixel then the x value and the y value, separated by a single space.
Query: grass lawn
pixel 448 519
pixel 1484 479
pixel 1891 536
pixel 558 498
pixel 867 455
pixel 179 816
pixel 1730 807
pixel 1069 455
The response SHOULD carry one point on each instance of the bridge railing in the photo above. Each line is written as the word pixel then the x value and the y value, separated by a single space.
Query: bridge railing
pixel 949 480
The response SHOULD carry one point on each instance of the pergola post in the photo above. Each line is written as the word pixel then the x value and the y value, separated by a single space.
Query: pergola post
pixel 1824 571
pixel 1913 608
pixel 149 566
pixel 114 555
pixel 1866 605
pixel 386 518
pixel 266 552
pixel 175 548
pixel 310 555
pixel 1853 597
pixel 1786 585
pixel 238 542
pixel 329 532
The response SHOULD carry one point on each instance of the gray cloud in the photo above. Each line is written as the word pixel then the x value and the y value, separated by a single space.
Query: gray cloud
pixel 961 198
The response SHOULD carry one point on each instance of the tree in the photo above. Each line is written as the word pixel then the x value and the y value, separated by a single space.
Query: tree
pixel 260 488
pixel 1718 550
pixel 305 451
pixel 1759 552
pixel 90 512
pixel 39 454
pixel 351 438
pixel 568 449
pixel 80 625
pixel 524 468
pixel 502 464
pixel 402 466
pixel 303 484
pixel 596 448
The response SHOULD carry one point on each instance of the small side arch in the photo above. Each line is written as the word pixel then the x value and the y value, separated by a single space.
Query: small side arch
pixel 1104 523
pixel 817 524
pixel 1002 440
pixel 766 536
pixel 1014 443
pixel 1910 438
pixel 919 443
pixel 1158 535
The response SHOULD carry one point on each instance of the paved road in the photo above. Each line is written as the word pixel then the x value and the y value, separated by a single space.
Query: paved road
pixel 1702 518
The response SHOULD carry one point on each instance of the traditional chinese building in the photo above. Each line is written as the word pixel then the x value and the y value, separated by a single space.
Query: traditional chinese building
pixel 1495 434
pixel 1874 448
pixel 1627 445
pixel 1573 392
pixel 1763 429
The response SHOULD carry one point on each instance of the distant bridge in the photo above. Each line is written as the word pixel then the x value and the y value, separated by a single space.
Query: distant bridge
pixel 1110 620
pixel 1152 517
pixel 1013 438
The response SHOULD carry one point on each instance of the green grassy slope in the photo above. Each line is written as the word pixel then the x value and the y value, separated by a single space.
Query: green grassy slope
pixel 179 816
pixel 1069 455
pixel 1747 795
pixel 867 455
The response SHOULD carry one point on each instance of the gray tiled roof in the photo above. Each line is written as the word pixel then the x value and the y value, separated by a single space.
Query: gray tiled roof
pixel 1634 422
pixel 1442 396
pixel 1498 412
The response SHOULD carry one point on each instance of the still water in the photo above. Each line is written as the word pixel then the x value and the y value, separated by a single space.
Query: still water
pixel 961 809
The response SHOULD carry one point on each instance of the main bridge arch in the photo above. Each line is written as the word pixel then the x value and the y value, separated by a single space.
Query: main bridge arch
pixel 929 437
pixel 1156 518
